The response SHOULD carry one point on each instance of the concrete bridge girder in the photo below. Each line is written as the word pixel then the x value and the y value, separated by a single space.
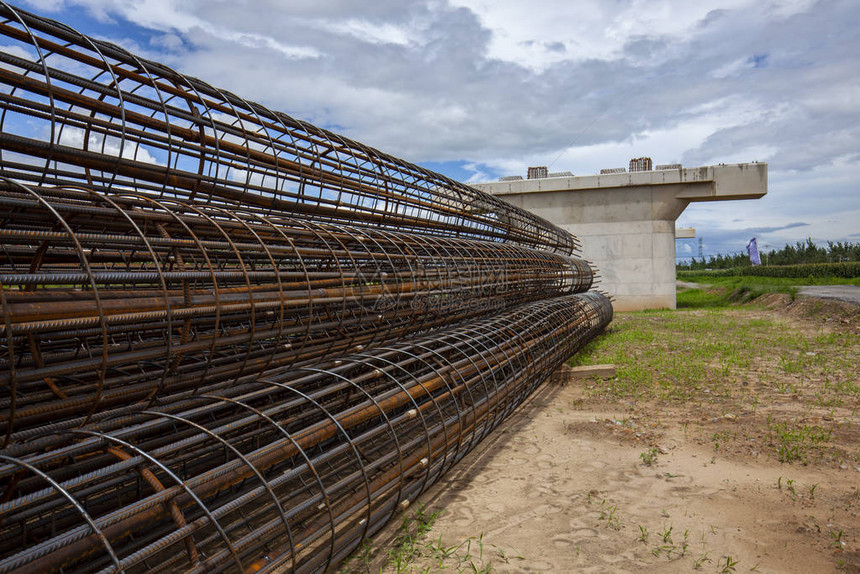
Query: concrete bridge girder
pixel 626 222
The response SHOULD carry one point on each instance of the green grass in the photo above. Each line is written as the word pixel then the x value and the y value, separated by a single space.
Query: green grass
pixel 731 363
pixel 716 291
pixel 794 442
pixel 701 298
pixel 736 281
pixel 707 353
pixel 410 538
pixel 414 550
pixel 725 291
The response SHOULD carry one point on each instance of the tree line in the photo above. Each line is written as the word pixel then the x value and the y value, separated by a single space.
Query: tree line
pixel 799 253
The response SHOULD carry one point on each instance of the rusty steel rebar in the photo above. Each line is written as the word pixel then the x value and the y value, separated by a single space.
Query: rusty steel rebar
pixel 81 111
pixel 291 469
pixel 112 299
pixel 231 340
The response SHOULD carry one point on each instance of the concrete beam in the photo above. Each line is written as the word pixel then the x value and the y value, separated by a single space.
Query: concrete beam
pixel 626 221
pixel 715 182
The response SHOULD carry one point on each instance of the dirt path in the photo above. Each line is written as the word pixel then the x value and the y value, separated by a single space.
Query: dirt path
pixel 568 492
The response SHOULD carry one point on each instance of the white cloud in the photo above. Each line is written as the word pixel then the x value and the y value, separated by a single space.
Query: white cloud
pixel 74 137
pixel 841 97
pixel 19 52
pixel 176 16
pixel 733 68
pixel 498 85
pixel 478 174
pixel 688 129
pixel 371 32
pixel 46 5
pixel 590 29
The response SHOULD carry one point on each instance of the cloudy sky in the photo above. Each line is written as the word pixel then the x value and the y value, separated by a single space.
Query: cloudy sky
pixel 478 89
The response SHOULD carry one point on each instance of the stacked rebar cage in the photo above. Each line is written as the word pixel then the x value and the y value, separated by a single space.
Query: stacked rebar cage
pixel 233 341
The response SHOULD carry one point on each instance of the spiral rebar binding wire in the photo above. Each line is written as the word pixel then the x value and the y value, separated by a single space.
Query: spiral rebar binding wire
pixel 290 469
pixel 81 111
pixel 233 341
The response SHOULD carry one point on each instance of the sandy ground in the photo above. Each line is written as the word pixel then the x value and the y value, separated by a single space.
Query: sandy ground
pixel 567 491
pixel 561 486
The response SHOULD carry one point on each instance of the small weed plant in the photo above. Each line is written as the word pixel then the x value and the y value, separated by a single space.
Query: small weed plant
pixel 727 564
pixel 793 443
pixel 408 543
pixel 649 457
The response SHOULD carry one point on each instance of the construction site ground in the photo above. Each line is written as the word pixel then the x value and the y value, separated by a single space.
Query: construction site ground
pixel 729 441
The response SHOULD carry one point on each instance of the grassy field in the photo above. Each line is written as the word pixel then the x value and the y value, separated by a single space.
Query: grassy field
pixel 712 355
pixel 724 291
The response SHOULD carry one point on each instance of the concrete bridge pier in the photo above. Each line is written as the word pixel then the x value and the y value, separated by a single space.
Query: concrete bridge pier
pixel 626 221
